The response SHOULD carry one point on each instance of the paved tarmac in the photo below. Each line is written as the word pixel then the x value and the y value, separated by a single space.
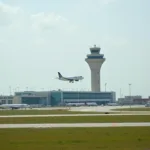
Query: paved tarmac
pixel 90 108
pixel 104 108
pixel 67 125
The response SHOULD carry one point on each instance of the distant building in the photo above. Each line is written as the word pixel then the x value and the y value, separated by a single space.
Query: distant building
pixel 128 99
pixel 6 99
pixel 141 101
pixel 57 98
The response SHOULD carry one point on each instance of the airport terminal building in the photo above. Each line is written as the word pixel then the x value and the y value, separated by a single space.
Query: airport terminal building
pixel 61 98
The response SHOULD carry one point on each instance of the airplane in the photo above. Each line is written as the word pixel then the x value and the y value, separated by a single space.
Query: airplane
pixel 70 79
pixel 14 106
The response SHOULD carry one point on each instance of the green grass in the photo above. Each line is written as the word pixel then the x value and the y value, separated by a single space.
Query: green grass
pixel 133 109
pixel 123 138
pixel 77 119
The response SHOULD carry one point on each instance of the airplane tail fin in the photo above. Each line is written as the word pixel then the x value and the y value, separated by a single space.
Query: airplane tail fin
pixel 59 74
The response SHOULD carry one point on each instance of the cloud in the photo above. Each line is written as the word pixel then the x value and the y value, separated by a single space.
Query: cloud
pixel 17 27
pixel 4 8
pixel 8 14
pixel 50 22
pixel 41 21
pixel 46 21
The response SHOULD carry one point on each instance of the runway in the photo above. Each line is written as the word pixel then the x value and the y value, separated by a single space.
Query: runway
pixel 71 115
pixel 75 125
pixel 104 108
pixel 91 108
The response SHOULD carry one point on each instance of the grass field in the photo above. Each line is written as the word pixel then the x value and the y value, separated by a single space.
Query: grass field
pixel 76 119
pixel 123 138
pixel 42 112
pixel 133 109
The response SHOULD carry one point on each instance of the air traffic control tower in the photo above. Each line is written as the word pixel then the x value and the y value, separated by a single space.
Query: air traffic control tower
pixel 95 61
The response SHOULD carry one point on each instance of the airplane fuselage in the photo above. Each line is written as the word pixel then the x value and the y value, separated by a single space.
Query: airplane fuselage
pixel 14 106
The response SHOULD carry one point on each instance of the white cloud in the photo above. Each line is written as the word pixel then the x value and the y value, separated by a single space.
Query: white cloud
pixel 16 25
pixel 40 21
pixel 46 21
pixel 50 22
pixel 8 14
pixel 4 8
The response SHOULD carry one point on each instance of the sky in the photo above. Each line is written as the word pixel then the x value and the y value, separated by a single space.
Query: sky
pixel 39 38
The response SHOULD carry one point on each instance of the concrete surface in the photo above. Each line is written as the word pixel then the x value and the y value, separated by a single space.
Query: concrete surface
pixel 65 125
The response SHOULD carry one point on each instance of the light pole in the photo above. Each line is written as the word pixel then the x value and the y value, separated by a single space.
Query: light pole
pixel 130 93
pixel 17 89
pixel 120 93
pixel 62 98
pixel 10 89
pixel 105 86
pixel 26 88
